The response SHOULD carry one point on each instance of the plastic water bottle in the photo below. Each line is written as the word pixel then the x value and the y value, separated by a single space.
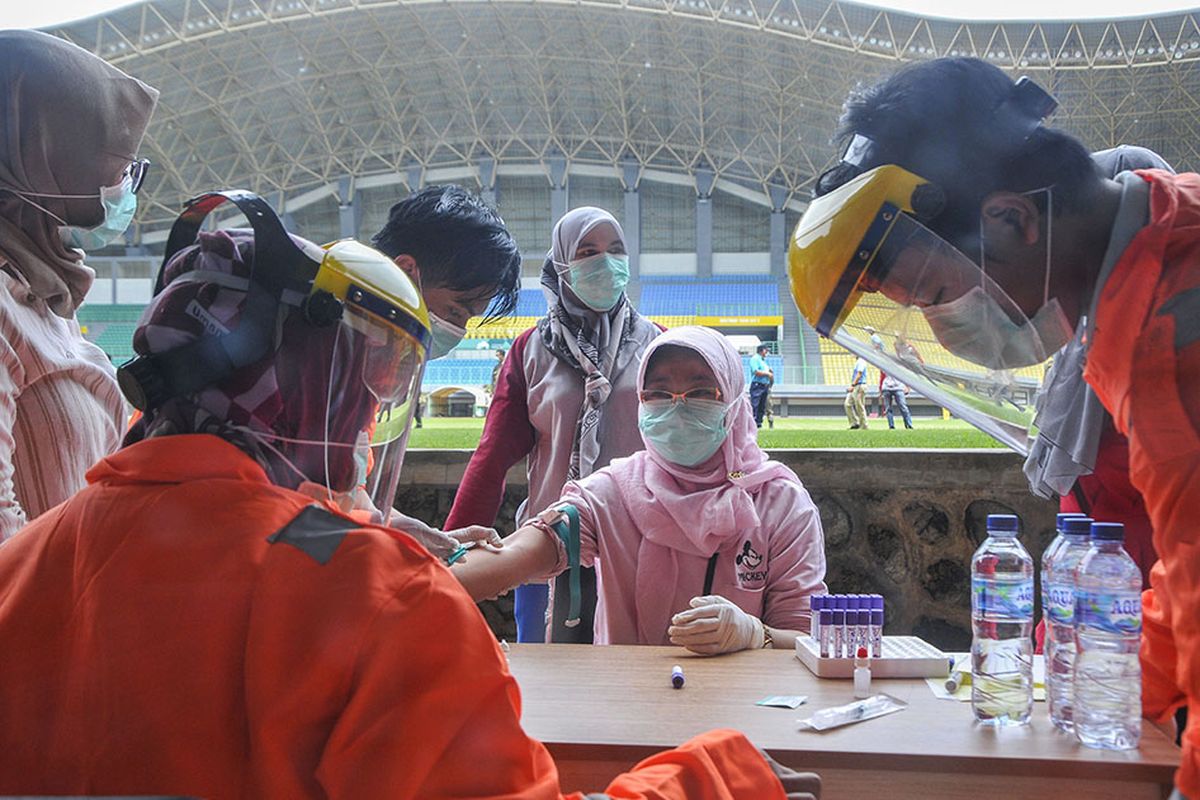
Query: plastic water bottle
pixel 1002 619
pixel 1058 585
pixel 1048 556
pixel 1108 628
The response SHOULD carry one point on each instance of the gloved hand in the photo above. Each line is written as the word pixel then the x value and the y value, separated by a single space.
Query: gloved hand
pixel 796 785
pixel 715 625
pixel 487 538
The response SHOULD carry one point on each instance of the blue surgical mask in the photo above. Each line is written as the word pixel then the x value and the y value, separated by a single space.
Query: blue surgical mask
pixel 119 203
pixel 599 280
pixel 684 433
pixel 446 336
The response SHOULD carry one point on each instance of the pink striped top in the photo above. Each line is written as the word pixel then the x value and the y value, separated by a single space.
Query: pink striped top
pixel 60 407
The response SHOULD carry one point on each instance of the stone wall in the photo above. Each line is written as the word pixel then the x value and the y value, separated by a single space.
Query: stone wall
pixel 897 522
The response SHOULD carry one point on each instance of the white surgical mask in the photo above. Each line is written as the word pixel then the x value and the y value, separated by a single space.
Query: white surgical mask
pixel 976 328
pixel 446 336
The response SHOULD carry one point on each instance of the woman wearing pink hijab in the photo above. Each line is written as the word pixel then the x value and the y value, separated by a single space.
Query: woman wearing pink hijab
pixel 700 540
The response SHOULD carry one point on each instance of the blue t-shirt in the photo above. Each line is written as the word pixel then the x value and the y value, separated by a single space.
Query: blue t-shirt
pixel 859 375
pixel 757 363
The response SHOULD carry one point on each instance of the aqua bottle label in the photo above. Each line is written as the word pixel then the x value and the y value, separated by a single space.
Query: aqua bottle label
pixel 1002 598
pixel 1112 612
pixel 1060 603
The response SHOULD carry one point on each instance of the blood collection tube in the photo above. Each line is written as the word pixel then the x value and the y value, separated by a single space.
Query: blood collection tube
pixel 826 640
pixel 839 633
pixel 877 633
pixel 816 603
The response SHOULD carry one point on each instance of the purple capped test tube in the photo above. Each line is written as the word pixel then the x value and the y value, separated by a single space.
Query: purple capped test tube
pixel 839 633
pixel 815 603
pixel 877 633
pixel 826 640
pixel 852 602
pixel 839 602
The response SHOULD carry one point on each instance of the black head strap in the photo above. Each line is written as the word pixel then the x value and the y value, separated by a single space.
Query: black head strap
pixel 277 265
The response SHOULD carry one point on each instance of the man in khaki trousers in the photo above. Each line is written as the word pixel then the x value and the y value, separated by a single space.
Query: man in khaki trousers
pixel 856 392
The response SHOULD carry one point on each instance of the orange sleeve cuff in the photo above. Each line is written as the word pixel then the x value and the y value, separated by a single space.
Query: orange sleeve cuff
pixel 714 765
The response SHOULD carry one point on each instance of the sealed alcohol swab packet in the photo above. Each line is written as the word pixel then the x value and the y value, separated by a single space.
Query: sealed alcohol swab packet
pixel 837 716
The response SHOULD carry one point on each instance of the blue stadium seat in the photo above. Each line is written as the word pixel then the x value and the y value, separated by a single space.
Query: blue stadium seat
pixel 717 297
pixel 459 372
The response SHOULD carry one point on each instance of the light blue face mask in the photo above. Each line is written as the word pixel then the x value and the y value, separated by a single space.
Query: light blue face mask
pixel 446 336
pixel 119 203
pixel 599 280
pixel 684 433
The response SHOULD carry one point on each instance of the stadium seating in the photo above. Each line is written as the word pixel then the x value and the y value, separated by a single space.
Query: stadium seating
pixel 709 298
pixel 459 372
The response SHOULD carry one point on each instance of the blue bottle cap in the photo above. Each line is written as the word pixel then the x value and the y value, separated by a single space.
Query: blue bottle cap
pixel 839 616
pixel 839 602
pixel 853 602
pixel 826 616
pixel 816 602
pixel 1077 526
pixel 1061 518
pixel 1003 523
pixel 877 602
pixel 1108 532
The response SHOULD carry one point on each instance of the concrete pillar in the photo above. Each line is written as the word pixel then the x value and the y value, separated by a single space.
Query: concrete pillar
pixel 704 222
pixel 487 180
pixel 558 187
pixel 349 212
pixel 779 232
pixel 631 175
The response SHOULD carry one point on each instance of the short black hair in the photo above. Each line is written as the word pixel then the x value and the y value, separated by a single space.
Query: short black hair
pixel 459 242
pixel 937 119
pixel 762 348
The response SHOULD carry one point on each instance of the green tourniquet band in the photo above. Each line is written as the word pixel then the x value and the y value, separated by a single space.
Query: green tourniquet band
pixel 456 555
pixel 568 531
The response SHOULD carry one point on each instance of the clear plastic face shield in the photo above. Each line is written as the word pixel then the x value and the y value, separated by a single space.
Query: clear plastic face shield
pixel 377 352
pixel 867 274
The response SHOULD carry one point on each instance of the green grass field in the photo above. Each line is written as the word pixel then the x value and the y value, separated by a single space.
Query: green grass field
pixel 804 432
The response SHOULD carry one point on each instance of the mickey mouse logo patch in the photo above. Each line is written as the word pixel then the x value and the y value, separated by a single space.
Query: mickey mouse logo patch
pixel 748 562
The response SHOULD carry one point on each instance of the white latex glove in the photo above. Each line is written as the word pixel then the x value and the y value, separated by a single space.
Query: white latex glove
pixel 715 625
pixel 487 538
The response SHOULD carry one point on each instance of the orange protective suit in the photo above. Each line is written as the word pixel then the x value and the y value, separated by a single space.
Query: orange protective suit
pixel 182 626
pixel 1144 364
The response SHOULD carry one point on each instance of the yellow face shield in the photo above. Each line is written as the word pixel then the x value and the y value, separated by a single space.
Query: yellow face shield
pixel 382 343
pixel 868 275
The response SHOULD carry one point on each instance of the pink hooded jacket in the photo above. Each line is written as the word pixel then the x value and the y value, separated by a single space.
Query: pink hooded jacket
pixel 650 526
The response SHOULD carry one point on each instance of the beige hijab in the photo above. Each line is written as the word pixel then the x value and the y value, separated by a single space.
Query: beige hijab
pixel 71 122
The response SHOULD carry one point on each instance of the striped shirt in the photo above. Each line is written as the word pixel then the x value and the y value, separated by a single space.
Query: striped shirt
pixel 60 407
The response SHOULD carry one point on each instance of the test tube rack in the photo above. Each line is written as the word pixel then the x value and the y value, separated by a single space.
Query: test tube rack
pixel 901 657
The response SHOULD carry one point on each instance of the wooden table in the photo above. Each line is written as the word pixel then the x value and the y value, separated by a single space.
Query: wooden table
pixel 602 709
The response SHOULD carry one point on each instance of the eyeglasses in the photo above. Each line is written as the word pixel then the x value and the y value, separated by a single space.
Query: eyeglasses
pixel 136 171
pixel 705 394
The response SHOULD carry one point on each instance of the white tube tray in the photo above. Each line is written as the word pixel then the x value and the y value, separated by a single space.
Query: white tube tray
pixel 903 657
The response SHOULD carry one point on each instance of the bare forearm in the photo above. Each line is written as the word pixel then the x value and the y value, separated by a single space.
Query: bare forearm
pixel 526 554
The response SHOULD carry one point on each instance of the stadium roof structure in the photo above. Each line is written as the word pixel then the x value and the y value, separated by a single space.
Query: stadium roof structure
pixel 300 99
